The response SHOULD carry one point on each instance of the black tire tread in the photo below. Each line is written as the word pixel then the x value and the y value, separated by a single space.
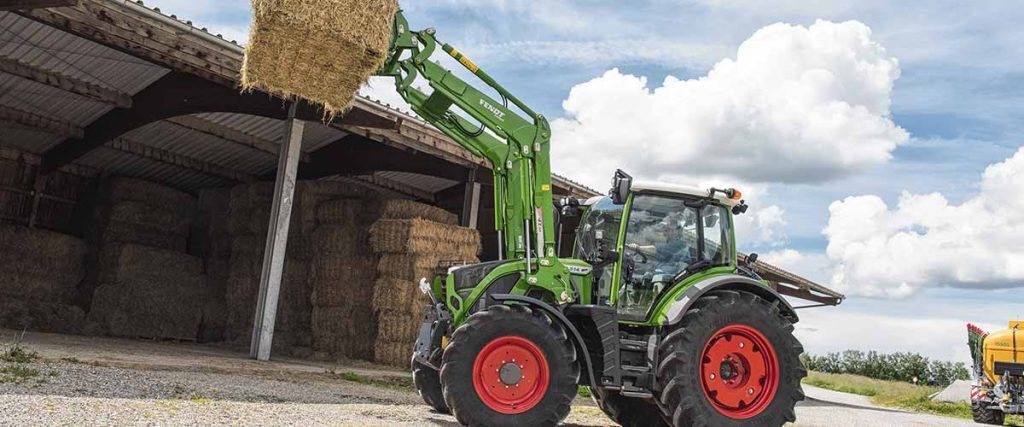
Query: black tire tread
pixel 428 384
pixel 680 347
pixel 629 411
pixel 983 415
pixel 458 390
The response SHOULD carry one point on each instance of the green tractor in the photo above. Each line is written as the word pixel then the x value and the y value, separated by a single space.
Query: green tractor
pixel 654 312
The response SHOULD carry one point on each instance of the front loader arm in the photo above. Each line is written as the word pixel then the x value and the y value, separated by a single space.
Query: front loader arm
pixel 516 146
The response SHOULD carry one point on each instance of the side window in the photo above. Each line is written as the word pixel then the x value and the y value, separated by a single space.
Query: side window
pixel 717 235
pixel 661 241
pixel 598 229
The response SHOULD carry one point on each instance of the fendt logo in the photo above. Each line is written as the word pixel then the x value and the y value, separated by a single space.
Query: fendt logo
pixel 497 113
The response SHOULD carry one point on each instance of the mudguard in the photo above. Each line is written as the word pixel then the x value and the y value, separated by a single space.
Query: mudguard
pixel 574 334
pixel 733 282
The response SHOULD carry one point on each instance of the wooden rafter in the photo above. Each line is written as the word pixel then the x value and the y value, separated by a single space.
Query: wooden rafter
pixel 35 4
pixel 64 82
pixel 201 125
pixel 131 147
pixel 17 117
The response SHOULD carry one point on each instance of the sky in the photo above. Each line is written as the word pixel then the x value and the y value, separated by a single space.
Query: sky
pixel 878 143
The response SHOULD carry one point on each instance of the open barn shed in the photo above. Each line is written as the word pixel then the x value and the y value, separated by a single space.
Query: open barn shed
pixel 137 183
pixel 138 194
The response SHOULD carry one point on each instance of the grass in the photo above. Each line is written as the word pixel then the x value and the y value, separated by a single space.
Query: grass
pixel 15 353
pixel 19 374
pixel 895 394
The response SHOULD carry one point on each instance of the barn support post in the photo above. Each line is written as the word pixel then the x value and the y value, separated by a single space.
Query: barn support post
pixel 277 237
pixel 37 194
pixel 471 201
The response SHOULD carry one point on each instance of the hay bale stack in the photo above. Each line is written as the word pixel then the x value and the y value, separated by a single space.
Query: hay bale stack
pixel 408 209
pixel 344 272
pixel 41 265
pixel 320 50
pixel 248 218
pixel 135 211
pixel 411 248
pixel 418 236
pixel 39 278
pixel 148 292
pixel 212 241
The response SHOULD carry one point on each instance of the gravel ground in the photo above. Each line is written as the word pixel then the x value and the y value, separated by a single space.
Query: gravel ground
pixel 84 395
pixel 86 381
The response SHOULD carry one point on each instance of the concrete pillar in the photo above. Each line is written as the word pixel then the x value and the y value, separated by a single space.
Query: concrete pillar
pixel 471 202
pixel 277 237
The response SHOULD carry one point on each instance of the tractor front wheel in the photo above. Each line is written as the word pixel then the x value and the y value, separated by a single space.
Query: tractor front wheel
pixel 509 366
pixel 731 361
pixel 428 384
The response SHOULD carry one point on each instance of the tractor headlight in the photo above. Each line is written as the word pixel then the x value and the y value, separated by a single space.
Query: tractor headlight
pixel 424 287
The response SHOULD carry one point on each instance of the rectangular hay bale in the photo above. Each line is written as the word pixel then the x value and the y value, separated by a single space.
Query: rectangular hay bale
pixel 417 236
pixel 408 209
pixel 320 50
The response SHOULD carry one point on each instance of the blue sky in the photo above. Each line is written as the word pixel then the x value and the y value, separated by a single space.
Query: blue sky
pixel 957 97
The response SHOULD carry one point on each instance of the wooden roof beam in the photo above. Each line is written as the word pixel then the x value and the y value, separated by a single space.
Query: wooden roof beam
pixel 66 83
pixel 207 127
pixel 125 145
pixel 35 4
pixel 39 122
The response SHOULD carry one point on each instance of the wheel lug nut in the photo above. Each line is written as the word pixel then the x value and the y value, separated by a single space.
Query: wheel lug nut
pixel 712 376
pixel 750 390
pixel 742 345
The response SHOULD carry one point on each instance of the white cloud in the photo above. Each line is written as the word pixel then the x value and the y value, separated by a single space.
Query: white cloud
pixel 798 104
pixel 925 241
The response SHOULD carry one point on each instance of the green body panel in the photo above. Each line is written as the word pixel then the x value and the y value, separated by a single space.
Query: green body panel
pixel 517 147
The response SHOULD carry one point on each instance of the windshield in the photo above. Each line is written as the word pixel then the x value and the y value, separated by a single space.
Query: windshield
pixel 599 228
pixel 665 236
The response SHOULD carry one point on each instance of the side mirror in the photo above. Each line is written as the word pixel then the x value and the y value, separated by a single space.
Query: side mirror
pixel 620 187
pixel 710 221
pixel 751 259
pixel 740 208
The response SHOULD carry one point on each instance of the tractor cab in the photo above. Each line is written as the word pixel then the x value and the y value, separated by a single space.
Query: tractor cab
pixel 651 238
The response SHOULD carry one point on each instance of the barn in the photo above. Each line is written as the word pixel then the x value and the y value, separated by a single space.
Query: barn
pixel 143 195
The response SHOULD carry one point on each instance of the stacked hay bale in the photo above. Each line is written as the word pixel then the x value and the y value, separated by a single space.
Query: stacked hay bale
pixel 38 279
pixel 344 271
pixel 148 292
pixel 135 211
pixel 147 284
pixel 212 242
pixel 413 241
pixel 248 221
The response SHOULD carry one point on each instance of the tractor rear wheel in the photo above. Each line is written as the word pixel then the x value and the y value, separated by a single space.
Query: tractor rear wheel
pixel 428 384
pixel 731 361
pixel 509 366
pixel 983 415
pixel 629 411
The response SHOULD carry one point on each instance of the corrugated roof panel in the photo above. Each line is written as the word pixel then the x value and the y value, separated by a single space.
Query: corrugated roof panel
pixel 120 163
pixel 47 48
pixel 32 141
pixel 177 139
pixel 316 134
pixel 430 184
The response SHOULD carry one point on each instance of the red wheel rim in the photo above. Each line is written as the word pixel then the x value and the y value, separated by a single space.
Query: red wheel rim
pixel 510 375
pixel 739 371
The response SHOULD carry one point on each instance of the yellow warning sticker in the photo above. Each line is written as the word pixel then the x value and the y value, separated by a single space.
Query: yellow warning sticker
pixel 545 187
pixel 469 64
